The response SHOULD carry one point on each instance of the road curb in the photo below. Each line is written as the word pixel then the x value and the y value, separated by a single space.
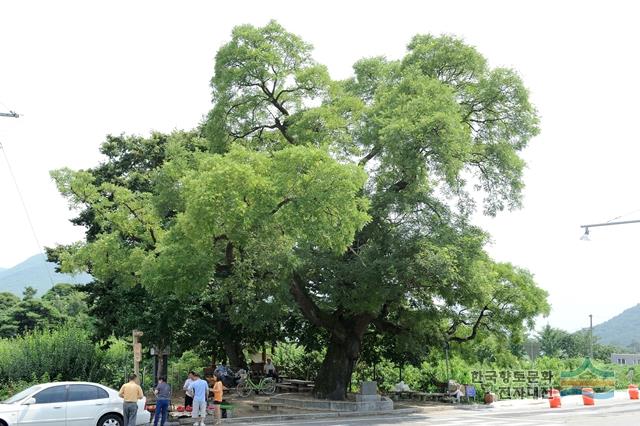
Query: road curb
pixel 495 410
pixel 319 415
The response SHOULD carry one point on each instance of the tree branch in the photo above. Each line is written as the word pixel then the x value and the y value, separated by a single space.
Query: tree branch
pixel 139 219
pixel 309 309
pixel 283 129
pixel 474 330
pixel 252 130
pixel 374 151
pixel 281 204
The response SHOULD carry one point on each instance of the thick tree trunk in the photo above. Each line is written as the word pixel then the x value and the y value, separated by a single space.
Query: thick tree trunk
pixel 345 342
pixel 230 339
pixel 337 367
pixel 229 335
pixel 343 352
pixel 234 352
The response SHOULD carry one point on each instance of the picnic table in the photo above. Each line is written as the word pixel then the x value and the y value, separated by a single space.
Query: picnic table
pixel 296 385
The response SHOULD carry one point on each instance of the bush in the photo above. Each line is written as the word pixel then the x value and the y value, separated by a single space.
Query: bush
pixel 63 354
pixel 294 361
pixel 424 377
pixel 179 368
pixel 117 363
pixel 60 355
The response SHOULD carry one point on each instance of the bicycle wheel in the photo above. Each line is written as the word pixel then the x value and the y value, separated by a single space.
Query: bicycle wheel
pixel 269 386
pixel 243 390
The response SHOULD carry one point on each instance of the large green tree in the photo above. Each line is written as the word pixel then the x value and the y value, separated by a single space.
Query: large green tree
pixel 350 200
pixel 126 204
pixel 431 131
pixel 114 200
pixel 29 314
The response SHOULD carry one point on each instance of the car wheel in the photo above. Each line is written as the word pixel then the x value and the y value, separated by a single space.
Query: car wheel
pixel 111 420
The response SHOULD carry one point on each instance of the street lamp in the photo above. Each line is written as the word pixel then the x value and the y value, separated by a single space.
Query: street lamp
pixel 585 236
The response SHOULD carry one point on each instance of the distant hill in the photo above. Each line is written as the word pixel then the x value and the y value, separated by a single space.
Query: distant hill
pixel 621 330
pixel 33 272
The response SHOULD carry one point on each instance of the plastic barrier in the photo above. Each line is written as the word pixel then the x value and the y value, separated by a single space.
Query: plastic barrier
pixel 587 396
pixel 554 399
pixel 633 392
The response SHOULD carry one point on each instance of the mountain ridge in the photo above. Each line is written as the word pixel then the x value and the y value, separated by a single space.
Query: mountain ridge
pixel 622 329
pixel 37 273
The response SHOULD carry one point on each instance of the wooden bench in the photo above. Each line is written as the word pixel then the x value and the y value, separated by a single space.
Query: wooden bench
pixel 397 395
pixel 420 396
pixel 435 396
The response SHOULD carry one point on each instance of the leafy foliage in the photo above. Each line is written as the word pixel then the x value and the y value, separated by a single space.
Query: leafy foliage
pixel 347 202
pixel 64 354
pixel 556 343
pixel 424 129
pixel 295 361
pixel 62 304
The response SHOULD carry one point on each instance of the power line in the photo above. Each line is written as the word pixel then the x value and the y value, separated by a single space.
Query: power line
pixel 621 216
pixel 26 212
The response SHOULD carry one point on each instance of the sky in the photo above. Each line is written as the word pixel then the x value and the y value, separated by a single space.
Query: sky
pixel 77 71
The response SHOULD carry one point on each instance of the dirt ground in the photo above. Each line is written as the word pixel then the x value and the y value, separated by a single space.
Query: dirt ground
pixel 242 407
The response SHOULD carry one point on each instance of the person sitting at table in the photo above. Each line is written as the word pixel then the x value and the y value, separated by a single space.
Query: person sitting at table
pixel 270 369
pixel 456 392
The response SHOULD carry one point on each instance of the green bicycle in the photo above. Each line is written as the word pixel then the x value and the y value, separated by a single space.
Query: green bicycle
pixel 246 387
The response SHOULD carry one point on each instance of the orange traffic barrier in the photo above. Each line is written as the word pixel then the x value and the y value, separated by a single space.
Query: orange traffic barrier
pixel 554 399
pixel 633 392
pixel 587 396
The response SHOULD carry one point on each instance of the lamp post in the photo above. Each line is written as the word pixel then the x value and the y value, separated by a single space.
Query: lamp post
pixel 10 114
pixel 591 336
pixel 585 236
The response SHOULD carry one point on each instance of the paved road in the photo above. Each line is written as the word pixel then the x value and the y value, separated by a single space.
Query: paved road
pixel 586 416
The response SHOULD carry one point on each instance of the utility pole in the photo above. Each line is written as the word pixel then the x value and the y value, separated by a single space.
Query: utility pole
pixel 591 336
pixel 446 359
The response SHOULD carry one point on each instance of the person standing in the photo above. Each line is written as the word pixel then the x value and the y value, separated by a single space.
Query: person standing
pixel 200 390
pixel 163 397
pixel 218 391
pixel 131 392
pixel 188 394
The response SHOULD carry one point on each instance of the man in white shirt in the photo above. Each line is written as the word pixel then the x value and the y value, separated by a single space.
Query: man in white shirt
pixel 270 369
pixel 188 395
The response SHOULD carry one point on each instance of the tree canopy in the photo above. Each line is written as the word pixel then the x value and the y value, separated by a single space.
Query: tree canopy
pixel 347 201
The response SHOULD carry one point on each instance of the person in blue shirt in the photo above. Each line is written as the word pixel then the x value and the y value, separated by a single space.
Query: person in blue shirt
pixel 200 389
pixel 163 398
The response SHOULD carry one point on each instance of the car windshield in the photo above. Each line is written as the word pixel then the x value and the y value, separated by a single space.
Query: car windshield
pixel 21 395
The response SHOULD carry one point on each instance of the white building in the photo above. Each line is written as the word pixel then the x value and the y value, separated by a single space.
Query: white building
pixel 625 359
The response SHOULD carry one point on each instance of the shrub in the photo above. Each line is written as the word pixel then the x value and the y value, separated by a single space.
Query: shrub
pixel 294 361
pixel 179 368
pixel 59 355
pixel 63 354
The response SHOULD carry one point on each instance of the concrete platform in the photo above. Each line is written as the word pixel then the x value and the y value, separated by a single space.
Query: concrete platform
pixel 359 406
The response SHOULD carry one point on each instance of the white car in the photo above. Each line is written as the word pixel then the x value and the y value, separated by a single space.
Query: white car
pixel 67 404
